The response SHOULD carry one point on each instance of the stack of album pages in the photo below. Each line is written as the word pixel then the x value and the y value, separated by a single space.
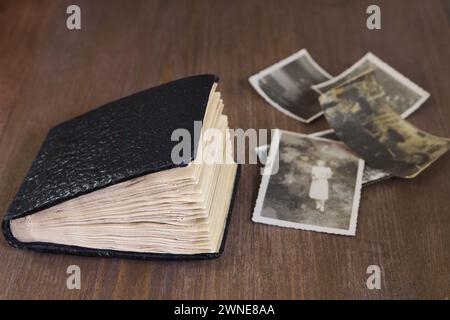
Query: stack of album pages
pixel 314 182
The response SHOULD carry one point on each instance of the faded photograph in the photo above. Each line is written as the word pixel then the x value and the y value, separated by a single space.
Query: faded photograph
pixel 317 186
pixel 400 93
pixel 287 86
pixel 361 117
pixel 370 175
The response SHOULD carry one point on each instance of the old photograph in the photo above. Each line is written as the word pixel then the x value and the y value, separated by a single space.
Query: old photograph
pixel 402 94
pixel 317 186
pixel 362 118
pixel 286 86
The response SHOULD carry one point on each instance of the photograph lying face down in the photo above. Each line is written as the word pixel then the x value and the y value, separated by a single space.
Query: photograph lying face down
pixel 317 186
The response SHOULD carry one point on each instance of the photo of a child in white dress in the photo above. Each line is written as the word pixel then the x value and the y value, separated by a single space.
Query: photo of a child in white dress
pixel 317 185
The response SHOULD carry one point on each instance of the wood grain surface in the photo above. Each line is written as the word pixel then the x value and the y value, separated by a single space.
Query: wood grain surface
pixel 49 74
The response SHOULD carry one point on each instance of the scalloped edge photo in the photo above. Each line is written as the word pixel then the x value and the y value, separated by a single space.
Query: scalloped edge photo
pixel 271 168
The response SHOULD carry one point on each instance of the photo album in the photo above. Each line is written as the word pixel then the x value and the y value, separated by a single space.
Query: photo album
pixel 106 183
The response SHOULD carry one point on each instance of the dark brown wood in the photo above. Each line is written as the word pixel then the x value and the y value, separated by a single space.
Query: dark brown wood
pixel 49 74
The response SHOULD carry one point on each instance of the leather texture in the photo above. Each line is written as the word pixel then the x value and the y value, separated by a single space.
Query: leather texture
pixel 121 140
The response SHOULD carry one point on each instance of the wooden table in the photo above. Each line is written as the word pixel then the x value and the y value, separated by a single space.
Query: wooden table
pixel 49 74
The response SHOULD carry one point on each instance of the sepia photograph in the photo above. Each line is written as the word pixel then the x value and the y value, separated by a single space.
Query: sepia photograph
pixel 361 117
pixel 402 94
pixel 286 86
pixel 317 185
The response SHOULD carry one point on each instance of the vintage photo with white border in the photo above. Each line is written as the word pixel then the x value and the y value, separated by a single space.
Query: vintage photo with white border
pixel 287 86
pixel 317 186
pixel 402 94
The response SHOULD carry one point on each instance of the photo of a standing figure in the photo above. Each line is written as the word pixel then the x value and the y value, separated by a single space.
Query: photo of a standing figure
pixel 318 191
pixel 316 186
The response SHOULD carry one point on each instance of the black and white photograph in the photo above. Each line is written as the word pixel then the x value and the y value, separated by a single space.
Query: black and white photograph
pixel 286 86
pixel 402 94
pixel 317 186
